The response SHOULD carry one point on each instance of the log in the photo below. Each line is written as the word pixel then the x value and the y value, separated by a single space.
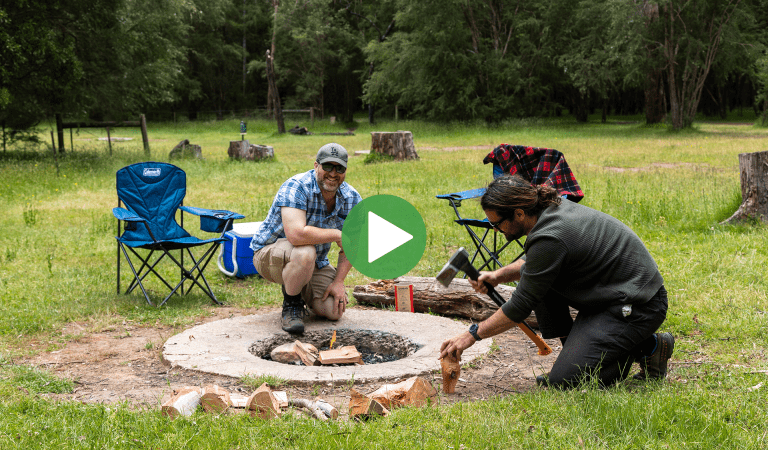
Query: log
pixel 754 188
pixel 307 353
pixel 399 144
pixel 286 354
pixel 183 403
pixel 344 355
pixel 458 299
pixel 414 391
pixel 215 399
pixel 363 406
pixel 451 370
pixel 263 403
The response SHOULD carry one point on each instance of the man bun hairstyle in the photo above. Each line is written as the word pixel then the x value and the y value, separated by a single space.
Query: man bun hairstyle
pixel 510 192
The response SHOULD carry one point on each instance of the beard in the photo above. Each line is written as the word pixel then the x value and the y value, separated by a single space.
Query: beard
pixel 513 236
pixel 327 185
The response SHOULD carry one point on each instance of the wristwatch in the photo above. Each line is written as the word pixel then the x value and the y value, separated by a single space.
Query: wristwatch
pixel 473 332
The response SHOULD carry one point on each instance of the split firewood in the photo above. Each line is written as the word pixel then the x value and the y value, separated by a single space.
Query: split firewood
pixel 364 406
pixel 318 408
pixel 343 355
pixel 285 354
pixel 215 399
pixel 282 398
pixel 183 403
pixel 238 401
pixel 414 391
pixel 307 353
pixel 263 403
pixel 451 371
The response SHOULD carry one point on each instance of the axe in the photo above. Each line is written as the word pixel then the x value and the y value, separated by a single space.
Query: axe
pixel 459 262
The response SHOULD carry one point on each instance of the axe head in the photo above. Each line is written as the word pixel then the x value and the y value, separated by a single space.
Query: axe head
pixel 458 263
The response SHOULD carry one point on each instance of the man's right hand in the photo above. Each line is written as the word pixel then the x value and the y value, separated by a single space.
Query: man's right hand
pixel 485 277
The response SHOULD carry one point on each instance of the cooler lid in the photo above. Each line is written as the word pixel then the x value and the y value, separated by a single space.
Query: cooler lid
pixel 245 229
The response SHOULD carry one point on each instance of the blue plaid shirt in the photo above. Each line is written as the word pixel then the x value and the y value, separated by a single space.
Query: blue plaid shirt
pixel 302 192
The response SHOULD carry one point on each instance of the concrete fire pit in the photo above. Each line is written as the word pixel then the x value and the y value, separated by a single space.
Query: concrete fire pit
pixel 224 347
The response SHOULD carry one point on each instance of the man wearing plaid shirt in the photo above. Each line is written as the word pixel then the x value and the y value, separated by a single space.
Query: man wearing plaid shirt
pixel 292 244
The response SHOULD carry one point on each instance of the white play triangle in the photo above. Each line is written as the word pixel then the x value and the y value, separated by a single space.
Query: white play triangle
pixel 383 237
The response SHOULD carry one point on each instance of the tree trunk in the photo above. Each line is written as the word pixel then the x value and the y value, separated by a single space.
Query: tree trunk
pixel 654 97
pixel 276 95
pixel 398 144
pixel 754 188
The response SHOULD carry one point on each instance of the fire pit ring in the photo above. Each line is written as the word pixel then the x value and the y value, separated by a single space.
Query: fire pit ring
pixel 223 347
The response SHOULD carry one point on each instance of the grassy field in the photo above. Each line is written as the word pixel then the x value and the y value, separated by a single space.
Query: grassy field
pixel 57 265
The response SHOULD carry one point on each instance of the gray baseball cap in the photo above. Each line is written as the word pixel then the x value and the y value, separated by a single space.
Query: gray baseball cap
pixel 332 153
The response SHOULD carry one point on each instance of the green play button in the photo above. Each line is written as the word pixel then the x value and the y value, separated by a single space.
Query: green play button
pixel 384 237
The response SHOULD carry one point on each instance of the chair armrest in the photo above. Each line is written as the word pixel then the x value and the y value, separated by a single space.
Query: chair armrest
pixel 213 220
pixel 463 195
pixel 125 215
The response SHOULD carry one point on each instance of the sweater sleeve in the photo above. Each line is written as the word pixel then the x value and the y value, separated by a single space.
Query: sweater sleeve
pixel 545 259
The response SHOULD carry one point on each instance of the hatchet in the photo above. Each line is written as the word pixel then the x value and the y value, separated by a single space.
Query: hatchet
pixel 459 262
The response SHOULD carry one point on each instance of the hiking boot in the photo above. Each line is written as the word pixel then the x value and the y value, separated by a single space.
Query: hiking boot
pixel 542 380
pixel 655 366
pixel 293 318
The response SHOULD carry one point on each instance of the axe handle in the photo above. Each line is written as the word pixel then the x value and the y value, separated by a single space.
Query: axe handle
pixel 544 349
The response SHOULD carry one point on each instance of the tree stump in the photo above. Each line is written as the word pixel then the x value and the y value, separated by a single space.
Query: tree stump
pixel 754 188
pixel 249 152
pixel 399 144
pixel 184 150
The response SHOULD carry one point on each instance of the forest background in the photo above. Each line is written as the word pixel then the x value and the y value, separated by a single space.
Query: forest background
pixel 443 60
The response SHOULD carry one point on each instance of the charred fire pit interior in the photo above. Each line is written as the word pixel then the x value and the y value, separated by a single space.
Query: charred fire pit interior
pixel 376 346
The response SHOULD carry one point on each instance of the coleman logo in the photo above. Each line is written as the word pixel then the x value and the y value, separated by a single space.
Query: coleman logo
pixel 151 172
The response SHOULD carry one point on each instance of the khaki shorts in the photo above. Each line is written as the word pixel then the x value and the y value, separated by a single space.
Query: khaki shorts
pixel 270 260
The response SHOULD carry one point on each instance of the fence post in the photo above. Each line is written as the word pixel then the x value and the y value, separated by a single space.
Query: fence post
pixel 60 132
pixel 109 142
pixel 144 137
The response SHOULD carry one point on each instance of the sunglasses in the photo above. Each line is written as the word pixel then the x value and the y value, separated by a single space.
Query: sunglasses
pixel 498 223
pixel 328 167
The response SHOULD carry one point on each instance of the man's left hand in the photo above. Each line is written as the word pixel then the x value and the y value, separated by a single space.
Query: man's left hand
pixel 456 345
pixel 338 292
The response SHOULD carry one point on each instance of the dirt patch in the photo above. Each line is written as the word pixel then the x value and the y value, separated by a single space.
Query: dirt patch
pixel 125 364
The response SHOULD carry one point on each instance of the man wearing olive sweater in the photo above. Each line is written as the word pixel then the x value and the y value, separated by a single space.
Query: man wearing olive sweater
pixel 582 258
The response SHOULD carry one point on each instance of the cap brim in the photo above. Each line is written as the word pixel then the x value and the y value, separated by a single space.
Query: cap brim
pixel 336 160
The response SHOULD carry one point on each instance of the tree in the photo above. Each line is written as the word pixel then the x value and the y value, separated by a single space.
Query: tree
pixel 464 60
pixel 688 35
pixel 370 18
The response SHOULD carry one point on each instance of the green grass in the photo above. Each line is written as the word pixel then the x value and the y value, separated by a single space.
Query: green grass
pixel 57 259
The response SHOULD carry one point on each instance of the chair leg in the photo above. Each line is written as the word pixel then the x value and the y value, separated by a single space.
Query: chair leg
pixel 195 273
pixel 136 275
pixel 145 263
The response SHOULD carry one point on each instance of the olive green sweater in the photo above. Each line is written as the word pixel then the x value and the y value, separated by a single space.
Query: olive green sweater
pixel 589 257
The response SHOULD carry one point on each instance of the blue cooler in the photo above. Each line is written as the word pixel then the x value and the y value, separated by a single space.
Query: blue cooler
pixel 236 256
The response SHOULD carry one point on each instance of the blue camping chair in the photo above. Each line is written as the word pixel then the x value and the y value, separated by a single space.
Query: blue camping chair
pixel 489 256
pixel 151 193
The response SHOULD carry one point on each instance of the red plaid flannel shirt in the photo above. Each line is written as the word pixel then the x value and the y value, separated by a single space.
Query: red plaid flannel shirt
pixel 540 166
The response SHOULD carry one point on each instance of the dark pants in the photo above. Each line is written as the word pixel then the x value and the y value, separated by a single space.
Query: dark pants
pixel 602 343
